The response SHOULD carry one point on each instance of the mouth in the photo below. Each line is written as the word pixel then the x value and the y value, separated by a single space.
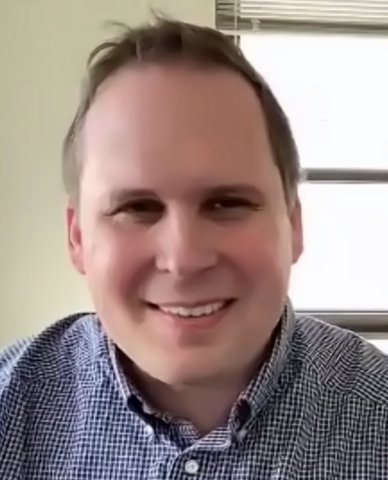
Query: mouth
pixel 200 312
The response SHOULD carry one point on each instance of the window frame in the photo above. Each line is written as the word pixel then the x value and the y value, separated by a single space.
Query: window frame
pixel 228 18
pixel 371 324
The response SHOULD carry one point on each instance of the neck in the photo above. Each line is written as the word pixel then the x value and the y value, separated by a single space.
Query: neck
pixel 206 405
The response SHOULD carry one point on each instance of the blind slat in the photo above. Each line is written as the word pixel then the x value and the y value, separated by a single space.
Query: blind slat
pixel 248 14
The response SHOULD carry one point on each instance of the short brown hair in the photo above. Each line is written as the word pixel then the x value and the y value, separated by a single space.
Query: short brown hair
pixel 163 42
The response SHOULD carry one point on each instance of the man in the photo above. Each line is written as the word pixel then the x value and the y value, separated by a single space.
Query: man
pixel 183 215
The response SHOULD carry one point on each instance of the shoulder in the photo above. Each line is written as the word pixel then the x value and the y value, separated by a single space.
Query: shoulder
pixel 42 381
pixel 343 360
pixel 62 349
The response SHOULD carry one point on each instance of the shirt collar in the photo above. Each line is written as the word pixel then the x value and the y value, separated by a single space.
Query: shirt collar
pixel 272 376
pixel 127 387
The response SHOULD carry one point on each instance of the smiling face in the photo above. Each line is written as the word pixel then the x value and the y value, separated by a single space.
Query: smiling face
pixel 181 205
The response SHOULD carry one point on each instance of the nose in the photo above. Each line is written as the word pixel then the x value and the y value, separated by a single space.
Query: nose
pixel 184 246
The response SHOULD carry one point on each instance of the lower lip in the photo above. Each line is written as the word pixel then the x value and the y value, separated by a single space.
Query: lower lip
pixel 196 323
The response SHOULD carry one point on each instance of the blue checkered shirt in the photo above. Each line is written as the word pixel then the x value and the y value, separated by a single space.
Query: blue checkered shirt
pixel 316 410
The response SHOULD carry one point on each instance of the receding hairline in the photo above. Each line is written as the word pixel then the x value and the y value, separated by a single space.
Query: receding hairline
pixel 167 42
pixel 185 64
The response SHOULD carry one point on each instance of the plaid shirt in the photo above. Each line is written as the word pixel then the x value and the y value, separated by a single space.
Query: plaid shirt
pixel 317 410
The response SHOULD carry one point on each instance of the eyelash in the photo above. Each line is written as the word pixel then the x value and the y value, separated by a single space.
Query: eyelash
pixel 153 208
pixel 233 202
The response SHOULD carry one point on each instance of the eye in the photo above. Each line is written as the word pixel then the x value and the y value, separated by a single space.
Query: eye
pixel 229 207
pixel 230 203
pixel 145 210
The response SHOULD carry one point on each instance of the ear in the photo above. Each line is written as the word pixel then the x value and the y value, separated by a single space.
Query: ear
pixel 74 237
pixel 297 229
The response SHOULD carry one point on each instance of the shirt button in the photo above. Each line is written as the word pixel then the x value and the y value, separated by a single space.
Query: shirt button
pixel 191 467
pixel 149 431
pixel 242 434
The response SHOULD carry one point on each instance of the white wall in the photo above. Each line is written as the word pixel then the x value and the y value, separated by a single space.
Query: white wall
pixel 43 47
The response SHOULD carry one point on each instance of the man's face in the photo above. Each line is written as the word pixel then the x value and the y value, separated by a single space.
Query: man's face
pixel 182 205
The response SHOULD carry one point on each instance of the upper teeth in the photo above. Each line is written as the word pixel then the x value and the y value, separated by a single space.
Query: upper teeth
pixel 195 311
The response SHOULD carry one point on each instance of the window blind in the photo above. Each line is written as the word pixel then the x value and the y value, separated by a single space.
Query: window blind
pixel 251 15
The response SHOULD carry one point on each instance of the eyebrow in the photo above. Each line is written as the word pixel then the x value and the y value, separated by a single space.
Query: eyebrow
pixel 235 188
pixel 126 194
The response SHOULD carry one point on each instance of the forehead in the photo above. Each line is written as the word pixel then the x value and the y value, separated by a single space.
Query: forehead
pixel 178 121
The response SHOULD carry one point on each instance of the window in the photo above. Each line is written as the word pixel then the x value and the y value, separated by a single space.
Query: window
pixel 334 89
pixel 327 63
pixel 381 343
pixel 345 263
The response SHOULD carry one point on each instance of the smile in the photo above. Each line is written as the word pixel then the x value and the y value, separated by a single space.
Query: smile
pixel 195 311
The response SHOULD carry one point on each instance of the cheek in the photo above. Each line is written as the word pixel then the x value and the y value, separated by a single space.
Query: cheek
pixel 117 263
pixel 263 252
